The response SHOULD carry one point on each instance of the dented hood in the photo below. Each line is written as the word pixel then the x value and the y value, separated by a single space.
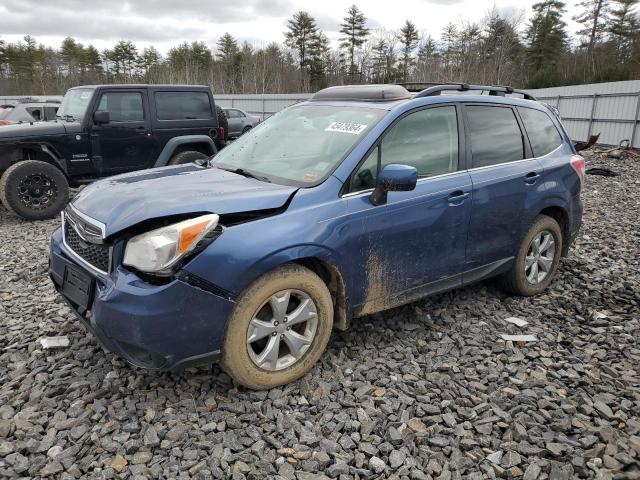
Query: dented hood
pixel 125 200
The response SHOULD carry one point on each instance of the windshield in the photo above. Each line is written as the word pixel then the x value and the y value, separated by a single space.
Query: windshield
pixel 5 111
pixel 299 145
pixel 75 102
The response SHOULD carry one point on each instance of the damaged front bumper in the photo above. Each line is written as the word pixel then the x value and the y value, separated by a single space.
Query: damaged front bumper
pixel 160 327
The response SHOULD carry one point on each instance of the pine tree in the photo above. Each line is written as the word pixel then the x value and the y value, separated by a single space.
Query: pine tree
pixel 318 59
pixel 228 55
pixel 302 34
pixel 547 39
pixel 408 38
pixel 148 60
pixel 355 33
pixel 624 27
pixel 594 19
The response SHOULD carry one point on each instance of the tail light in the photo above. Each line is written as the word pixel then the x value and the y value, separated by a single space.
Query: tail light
pixel 221 134
pixel 4 122
pixel 578 164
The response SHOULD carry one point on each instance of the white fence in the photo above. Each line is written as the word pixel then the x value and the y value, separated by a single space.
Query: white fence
pixel 610 109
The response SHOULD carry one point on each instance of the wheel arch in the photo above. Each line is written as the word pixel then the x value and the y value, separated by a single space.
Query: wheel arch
pixel 560 215
pixel 10 155
pixel 319 259
pixel 200 143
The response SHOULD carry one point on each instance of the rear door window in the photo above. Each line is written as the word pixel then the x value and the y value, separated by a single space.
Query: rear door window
pixel 183 106
pixel 542 133
pixel 495 135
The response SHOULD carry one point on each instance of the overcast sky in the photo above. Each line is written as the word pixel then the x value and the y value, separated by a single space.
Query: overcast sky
pixel 165 23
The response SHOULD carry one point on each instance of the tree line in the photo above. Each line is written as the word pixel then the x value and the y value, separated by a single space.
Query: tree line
pixel 499 49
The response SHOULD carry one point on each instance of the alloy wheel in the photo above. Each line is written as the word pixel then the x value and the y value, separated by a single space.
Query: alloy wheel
pixel 538 263
pixel 37 191
pixel 282 330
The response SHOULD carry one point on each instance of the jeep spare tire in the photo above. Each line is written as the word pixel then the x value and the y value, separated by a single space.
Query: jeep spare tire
pixel 187 156
pixel 34 190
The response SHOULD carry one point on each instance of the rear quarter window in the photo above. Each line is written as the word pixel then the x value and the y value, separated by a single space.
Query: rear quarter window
pixel 183 106
pixel 543 134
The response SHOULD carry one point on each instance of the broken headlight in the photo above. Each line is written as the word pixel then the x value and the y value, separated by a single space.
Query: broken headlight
pixel 159 250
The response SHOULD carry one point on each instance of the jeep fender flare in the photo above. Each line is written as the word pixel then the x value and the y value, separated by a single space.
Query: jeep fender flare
pixel 50 154
pixel 171 146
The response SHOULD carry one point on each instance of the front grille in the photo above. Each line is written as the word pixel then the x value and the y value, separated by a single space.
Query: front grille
pixel 96 255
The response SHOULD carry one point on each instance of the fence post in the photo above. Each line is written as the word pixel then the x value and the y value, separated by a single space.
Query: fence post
pixel 558 104
pixel 635 122
pixel 263 107
pixel 593 110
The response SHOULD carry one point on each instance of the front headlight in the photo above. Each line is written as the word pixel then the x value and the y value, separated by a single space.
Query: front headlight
pixel 159 250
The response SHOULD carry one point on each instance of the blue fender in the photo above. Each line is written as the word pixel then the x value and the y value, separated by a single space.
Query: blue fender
pixel 170 147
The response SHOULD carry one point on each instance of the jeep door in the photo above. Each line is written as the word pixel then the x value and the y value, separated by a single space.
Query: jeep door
pixel 415 243
pixel 125 143
pixel 504 175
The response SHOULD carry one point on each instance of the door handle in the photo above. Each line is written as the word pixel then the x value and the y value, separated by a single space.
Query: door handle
pixel 531 178
pixel 457 197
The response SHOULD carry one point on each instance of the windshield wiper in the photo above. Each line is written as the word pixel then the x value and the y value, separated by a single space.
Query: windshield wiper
pixel 245 173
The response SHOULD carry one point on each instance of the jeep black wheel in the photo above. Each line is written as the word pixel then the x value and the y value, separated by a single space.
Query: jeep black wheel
pixel 187 156
pixel 34 190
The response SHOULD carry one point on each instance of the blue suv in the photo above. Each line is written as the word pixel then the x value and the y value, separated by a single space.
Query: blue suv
pixel 359 200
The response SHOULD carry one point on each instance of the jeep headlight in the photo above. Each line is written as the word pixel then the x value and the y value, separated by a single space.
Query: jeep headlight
pixel 159 250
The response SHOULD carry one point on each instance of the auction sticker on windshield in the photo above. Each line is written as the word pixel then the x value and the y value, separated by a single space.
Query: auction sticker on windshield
pixel 346 127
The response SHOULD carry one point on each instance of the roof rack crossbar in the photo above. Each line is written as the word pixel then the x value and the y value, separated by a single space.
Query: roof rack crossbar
pixel 496 90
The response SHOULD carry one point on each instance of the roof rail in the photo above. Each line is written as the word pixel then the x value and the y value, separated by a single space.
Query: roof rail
pixel 494 90
pixel 419 86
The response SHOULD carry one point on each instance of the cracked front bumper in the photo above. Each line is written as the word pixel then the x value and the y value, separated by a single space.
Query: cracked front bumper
pixel 163 327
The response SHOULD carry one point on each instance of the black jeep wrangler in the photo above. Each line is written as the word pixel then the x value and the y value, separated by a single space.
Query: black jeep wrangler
pixel 104 130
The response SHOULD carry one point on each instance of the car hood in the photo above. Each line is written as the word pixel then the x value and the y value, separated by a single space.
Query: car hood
pixel 125 200
pixel 38 129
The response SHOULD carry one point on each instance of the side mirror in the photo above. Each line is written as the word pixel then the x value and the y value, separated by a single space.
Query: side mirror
pixel 394 178
pixel 101 117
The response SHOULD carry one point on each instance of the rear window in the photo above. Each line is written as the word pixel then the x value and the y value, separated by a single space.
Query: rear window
pixel 183 106
pixel 542 133
pixel 495 135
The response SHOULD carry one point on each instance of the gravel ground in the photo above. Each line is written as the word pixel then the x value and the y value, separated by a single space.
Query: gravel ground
pixel 424 391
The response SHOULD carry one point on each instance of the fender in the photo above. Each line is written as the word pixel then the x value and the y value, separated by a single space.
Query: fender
pixel 170 147
pixel 48 150
pixel 290 254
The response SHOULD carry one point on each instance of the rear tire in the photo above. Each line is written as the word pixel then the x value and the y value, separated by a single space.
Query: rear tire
pixel 188 156
pixel 241 359
pixel 246 129
pixel 34 190
pixel 521 279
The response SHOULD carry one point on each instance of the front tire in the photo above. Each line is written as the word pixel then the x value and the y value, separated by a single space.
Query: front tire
pixel 34 190
pixel 279 328
pixel 245 129
pixel 537 260
pixel 188 156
